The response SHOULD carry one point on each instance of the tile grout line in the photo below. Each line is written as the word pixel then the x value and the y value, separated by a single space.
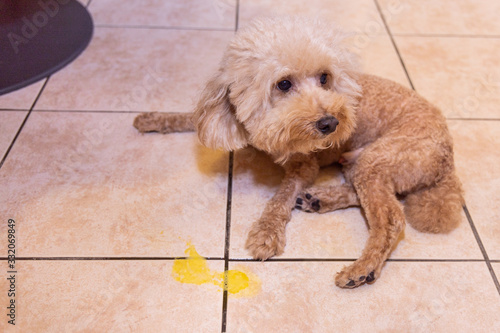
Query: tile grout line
pixel 430 35
pixel 227 239
pixel 23 123
pixel 228 210
pixel 394 44
pixel 354 259
pixel 240 259
pixel 97 111
pixel 106 258
pixel 475 119
pixel 482 248
pixel 13 110
pixel 156 27
pixel 237 16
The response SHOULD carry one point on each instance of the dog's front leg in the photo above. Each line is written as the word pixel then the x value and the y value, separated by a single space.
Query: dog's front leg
pixel 267 235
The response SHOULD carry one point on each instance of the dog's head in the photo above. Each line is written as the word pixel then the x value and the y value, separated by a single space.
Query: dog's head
pixel 285 86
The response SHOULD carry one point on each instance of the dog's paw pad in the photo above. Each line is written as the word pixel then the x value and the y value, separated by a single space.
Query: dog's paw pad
pixel 371 277
pixel 307 203
pixel 349 278
pixel 315 205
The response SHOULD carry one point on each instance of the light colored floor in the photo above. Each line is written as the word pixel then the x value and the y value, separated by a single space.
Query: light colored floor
pixel 102 212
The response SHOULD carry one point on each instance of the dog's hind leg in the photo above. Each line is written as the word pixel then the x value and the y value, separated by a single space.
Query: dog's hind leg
pixel 386 221
pixel 436 208
pixel 164 122
pixel 323 199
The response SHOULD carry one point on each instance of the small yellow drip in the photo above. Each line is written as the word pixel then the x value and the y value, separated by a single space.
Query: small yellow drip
pixel 236 281
pixel 194 270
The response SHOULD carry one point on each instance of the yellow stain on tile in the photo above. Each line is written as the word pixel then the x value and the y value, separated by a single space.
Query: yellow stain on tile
pixel 194 270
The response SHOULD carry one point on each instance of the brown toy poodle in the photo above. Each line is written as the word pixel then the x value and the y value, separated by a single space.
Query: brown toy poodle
pixel 288 87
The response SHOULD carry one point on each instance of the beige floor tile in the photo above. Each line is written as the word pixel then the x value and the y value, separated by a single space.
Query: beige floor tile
pixel 137 70
pixel 460 75
pixel 496 268
pixel 408 297
pixel 459 244
pixel 87 184
pixel 359 15
pixel 21 99
pixel 340 234
pixel 477 160
pixel 443 17
pixel 377 56
pixel 10 121
pixel 218 14
pixel 109 296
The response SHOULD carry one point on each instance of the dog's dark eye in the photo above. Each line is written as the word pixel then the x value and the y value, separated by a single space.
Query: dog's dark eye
pixel 284 85
pixel 324 78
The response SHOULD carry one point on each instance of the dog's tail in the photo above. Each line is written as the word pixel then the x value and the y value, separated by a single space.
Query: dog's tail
pixel 436 209
pixel 164 122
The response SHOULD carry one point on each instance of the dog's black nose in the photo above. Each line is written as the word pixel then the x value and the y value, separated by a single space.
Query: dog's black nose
pixel 327 125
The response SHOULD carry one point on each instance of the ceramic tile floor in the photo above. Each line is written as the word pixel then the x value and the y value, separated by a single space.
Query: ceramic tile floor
pixel 101 212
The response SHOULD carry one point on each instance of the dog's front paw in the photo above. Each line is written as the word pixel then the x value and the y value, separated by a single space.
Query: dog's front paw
pixel 266 240
pixel 357 274
pixel 308 202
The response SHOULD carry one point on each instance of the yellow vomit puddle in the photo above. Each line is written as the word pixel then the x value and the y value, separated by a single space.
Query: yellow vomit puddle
pixel 194 270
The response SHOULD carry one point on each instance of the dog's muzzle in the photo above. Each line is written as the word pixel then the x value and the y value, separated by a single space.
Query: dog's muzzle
pixel 327 125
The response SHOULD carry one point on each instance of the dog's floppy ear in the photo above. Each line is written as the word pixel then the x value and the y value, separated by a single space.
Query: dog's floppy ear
pixel 215 118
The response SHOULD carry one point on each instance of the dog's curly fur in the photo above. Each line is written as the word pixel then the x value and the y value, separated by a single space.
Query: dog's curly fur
pixel 390 140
